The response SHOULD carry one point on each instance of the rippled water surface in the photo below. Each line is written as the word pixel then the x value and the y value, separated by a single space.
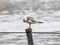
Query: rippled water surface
pixel 21 39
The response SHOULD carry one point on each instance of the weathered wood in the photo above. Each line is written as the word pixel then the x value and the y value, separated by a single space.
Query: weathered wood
pixel 29 36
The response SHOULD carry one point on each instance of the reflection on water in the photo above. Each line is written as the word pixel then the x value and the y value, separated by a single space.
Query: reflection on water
pixel 21 39
pixel 13 39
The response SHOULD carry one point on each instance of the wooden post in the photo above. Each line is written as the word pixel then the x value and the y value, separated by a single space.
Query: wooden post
pixel 29 36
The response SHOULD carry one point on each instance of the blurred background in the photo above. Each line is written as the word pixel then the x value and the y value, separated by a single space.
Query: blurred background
pixel 12 13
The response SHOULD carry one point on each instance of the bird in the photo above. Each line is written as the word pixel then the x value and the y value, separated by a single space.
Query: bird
pixel 30 20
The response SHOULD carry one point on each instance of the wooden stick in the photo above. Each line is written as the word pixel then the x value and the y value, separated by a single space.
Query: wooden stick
pixel 29 36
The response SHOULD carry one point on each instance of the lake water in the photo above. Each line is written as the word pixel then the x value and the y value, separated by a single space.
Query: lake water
pixel 12 25
pixel 14 22
pixel 48 11
pixel 21 39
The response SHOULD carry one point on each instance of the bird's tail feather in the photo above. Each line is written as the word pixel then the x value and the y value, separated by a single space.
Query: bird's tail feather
pixel 40 22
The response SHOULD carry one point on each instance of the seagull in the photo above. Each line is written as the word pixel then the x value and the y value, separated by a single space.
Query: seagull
pixel 30 20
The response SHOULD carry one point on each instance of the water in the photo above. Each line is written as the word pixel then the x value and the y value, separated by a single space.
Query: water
pixel 48 11
pixel 21 39
pixel 11 20
pixel 14 23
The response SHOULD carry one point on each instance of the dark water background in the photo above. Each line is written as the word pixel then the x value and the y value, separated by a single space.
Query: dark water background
pixel 21 39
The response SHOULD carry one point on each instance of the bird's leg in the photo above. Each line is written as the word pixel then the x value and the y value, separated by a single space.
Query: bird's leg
pixel 29 25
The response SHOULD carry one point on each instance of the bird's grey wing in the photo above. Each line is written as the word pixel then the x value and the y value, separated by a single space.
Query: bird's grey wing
pixel 36 21
pixel 33 21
